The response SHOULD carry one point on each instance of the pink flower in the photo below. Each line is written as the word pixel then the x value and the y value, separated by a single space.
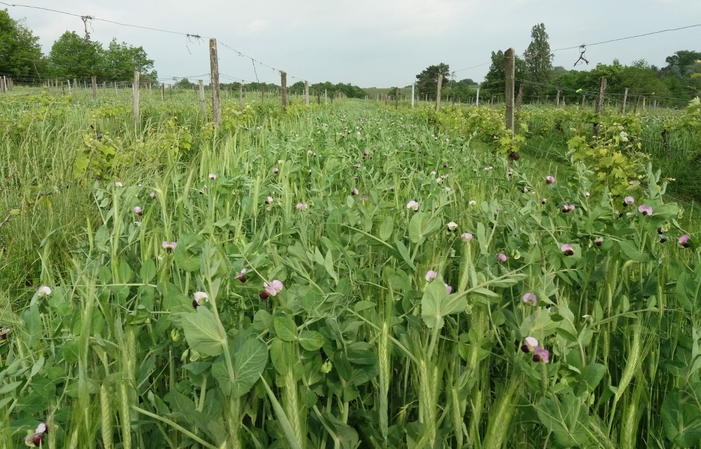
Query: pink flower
pixel 354 192
pixel 212 176
pixel 413 205
pixel 448 288
pixel 529 343
pixel 241 276
pixel 568 208
pixel 430 275
pixel 685 241
pixel 271 289
pixel 152 195
pixel 567 249
pixel 199 299
pixel 549 179
pixel 138 211
pixel 169 246
pixel 269 200
pixel 541 355
pixel 645 209
pixel 501 257
pixel 466 236
pixel 302 206
pixel 37 438
pixel 530 298
pixel 599 241
pixel 275 170
pixel 628 200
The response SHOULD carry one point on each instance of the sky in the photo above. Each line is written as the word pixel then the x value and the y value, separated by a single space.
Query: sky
pixel 369 43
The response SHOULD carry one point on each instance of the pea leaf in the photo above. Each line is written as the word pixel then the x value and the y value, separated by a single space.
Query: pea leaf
pixel 567 419
pixel 311 340
pixel 201 331
pixel 422 226
pixel 249 362
pixel 285 328
pixel 681 417
pixel 436 303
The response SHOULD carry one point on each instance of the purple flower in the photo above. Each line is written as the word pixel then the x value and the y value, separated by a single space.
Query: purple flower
pixel 530 298
pixel 448 288
pixel 567 249
pixel 529 343
pixel 269 200
pixel 685 241
pixel 138 211
pixel 275 170
pixel 541 355
pixel 567 208
pixel 550 180
pixel 241 276
pixel 271 289
pixel 152 195
pixel 37 438
pixel 212 176
pixel 169 246
pixel 599 241
pixel 354 192
pixel 430 275
pixel 645 209
pixel 501 257
pixel 628 200
pixel 302 206
pixel 466 236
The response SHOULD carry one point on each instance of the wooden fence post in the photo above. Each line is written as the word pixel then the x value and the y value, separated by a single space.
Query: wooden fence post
pixel 306 93
pixel 557 99
pixel 599 104
pixel 625 99
pixel 438 91
pixel 510 68
pixel 136 96
pixel 283 89
pixel 163 92
pixel 262 96
pixel 203 102
pixel 214 84
pixel 519 98
pixel 584 97
pixel 413 87
pixel 396 98
pixel 94 87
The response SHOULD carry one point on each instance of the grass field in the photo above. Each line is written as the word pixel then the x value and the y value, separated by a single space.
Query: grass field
pixel 338 276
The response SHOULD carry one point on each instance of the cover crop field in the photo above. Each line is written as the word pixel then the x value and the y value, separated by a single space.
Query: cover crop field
pixel 341 276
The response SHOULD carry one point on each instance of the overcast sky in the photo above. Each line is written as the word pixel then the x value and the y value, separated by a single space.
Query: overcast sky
pixel 370 42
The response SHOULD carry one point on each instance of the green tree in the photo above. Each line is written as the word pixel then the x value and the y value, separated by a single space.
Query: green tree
pixel 495 81
pixel 539 60
pixel 427 81
pixel 119 61
pixel 72 56
pixel 20 52
pixel 183 83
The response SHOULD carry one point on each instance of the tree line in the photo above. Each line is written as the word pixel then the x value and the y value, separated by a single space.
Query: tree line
pixel 71 56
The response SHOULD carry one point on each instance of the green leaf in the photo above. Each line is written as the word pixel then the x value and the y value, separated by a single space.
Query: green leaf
pixel 538 325
pixel 186 260
pixel 404 252
pixel 147 271
pixel 568 420
pixel 328 264
pixel 631 252
pixel 311 340
pixel 386 228
pixel 681 417
pixel 422 226
pixel 285 328
pixel 282 354
pixel 249 363
pixel 201 331
pixel 125 272
pixel 590 377
pixel 436 303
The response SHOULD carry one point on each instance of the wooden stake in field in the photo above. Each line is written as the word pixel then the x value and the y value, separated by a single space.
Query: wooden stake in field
pixel 306 93
pixel 240 95
pixel 203 102
pixel 262 96
pixel 94 88
pixel 396 98
pixel 625 99
pixel 136 96
pixel 438 91
pixel 584 97
pixel 477 98
pixel 519 98
pixel 214 83
pixel 557 99
pixel 283 89
pixel 599 104
pixel 510 68
pixel 413 86
pixel 163 92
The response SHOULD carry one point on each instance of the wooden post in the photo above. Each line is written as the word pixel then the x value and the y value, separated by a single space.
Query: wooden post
pixel 94 88
pixel 438 92
pixel 2 85
pixel 306 93
pixel 136 96
pixel 283 89
pixel 63 89
pixel 116 92
pixel 643 103
pixel 75 84
pixel 163 92
pixel 625 100
pixel 326 97
pixel 203 102
pixel 413 86
pixel 240 95
pixel 510 68
pixel 557 99
pixel 396 98
pixel 519 98
pixel 599 104
pixel 262 96
pixel 477 98
pixel 214 83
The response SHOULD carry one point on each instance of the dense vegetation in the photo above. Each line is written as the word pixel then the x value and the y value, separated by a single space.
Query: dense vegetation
pixel 342 276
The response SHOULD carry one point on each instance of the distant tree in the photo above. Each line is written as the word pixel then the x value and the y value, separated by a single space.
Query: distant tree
pixel 495 81
pixel 20 52
pixel 120 61
pixel 427 81
pixel 539 60
pixel 73 56
pixel 184 83
pixel 680 62
pixel 297 88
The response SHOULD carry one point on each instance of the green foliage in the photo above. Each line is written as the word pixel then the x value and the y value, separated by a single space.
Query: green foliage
pixel 538 60
pixel 74 57
pixel 427 80
pixel 20 51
